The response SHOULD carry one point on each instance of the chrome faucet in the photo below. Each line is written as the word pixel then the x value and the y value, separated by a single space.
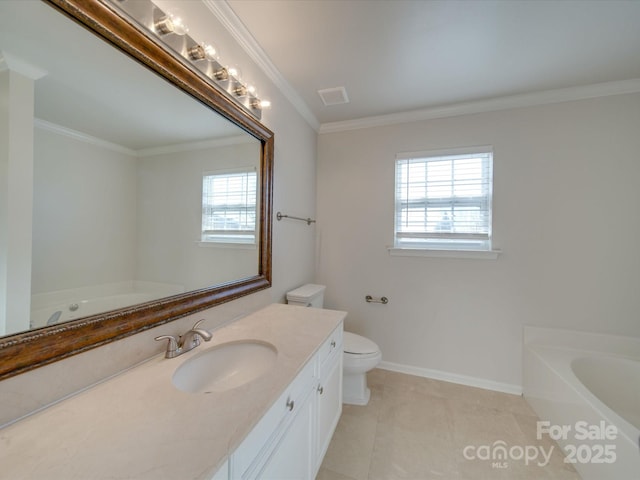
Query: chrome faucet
pixel 186 342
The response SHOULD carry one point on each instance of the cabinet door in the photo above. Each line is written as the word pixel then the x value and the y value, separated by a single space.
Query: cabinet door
pixel 329 395
pixel 293 457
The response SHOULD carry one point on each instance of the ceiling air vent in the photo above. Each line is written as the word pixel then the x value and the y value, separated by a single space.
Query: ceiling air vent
pixel 333 96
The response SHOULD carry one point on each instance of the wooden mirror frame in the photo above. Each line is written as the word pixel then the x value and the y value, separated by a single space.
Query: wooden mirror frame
pixel 28 350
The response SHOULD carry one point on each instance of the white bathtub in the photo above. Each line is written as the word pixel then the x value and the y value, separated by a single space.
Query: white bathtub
pixel 85 301
pixel 614 381
pixel 586 390
pixel 83 308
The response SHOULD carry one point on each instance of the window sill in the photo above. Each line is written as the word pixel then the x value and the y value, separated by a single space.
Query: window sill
pixel 244 246
pixel 424 252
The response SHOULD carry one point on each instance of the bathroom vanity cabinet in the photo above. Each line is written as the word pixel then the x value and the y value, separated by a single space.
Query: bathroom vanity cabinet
pixel 291 439
pixel 329 393
pixel 276 426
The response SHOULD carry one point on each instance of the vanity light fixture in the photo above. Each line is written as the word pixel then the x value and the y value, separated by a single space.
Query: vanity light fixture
pixel 171 23
pixel 221 74
pixel 202 52
pixel 240 90
pixel 164 26
pixel 204 57
pixel 196 53
pixel 259 104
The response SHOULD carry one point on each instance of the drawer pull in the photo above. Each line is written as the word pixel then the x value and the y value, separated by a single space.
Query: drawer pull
pixel 320 389
pixel 333 344
pixel 290 404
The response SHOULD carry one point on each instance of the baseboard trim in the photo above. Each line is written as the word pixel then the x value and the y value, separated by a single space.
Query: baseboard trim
pixel 452 377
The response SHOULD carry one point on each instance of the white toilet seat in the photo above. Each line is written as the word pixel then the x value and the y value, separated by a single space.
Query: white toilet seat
pixel 358 345
pixel 360 356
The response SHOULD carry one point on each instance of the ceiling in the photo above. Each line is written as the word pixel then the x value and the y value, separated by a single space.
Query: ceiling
pixel 404 55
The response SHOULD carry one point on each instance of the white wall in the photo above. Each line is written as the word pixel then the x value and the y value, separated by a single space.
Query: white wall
pixel 566 201
pixel 88 242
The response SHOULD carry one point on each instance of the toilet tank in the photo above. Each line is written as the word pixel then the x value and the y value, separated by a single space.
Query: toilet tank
pixel 309 295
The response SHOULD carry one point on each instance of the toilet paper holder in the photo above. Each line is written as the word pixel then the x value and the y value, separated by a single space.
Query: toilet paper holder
pixel 370 299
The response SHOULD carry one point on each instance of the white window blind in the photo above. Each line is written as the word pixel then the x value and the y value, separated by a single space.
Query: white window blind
pixel 443 200
pixel 229 206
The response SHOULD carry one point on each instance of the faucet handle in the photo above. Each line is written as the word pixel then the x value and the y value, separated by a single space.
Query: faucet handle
pixel 199 333
pixel 197 325
pixel 172 345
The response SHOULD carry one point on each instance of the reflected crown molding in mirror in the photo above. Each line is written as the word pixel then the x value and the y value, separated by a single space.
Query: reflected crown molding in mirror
pixel 28 350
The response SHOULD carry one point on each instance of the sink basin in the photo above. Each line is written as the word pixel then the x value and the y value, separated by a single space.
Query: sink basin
pixel 225 366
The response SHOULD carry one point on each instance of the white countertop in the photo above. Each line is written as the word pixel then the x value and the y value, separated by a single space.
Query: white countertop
pixel 137 425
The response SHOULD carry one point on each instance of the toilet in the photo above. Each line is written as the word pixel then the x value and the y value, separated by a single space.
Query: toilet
pixel 360 354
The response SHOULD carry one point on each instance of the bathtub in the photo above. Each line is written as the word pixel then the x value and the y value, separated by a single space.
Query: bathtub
pixel 83 308
pixel 64 305
pixel 586 390
pixel 71 310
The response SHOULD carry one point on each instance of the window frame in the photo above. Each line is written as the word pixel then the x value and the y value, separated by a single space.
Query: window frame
pixel 230 238
pixel 445 244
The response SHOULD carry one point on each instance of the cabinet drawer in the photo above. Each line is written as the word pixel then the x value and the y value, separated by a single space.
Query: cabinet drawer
pixel 332 345
pixel 253 450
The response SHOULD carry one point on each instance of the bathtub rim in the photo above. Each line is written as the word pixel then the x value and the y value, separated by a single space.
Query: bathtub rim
pixel 562 368
pixel 577 343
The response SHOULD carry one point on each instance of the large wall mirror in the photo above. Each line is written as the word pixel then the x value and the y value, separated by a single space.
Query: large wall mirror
pixel 147 194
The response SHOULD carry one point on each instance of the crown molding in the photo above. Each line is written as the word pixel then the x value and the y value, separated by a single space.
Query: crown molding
pixel 82 137
pixel 16 64
pixel 142 152
pixel 192 146
pixel 225 14
pixel 495 104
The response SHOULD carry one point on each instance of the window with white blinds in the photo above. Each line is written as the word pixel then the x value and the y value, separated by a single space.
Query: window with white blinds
pixel 229 206
pixel 443 199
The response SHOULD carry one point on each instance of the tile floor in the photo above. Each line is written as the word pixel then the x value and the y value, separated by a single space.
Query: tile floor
pixel 417 428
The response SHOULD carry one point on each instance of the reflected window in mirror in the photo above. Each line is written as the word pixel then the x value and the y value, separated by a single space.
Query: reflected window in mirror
pixel 229 206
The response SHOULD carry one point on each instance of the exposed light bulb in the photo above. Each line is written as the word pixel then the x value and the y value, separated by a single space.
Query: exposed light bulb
pixel 179 27
pixel 210 52
pixel 235 72
pixel 265 103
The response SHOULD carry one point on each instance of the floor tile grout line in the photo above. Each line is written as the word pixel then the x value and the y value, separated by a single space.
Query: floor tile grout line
pixel 375 435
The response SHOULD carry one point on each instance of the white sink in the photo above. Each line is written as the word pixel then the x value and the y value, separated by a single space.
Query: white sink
pixel 225 366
